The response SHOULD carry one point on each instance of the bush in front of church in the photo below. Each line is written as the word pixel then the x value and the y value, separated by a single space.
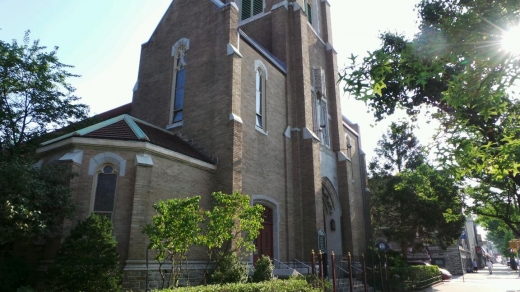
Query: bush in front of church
pixel 87 260
pixel 263 269
pixel 292 284
pixel 230 270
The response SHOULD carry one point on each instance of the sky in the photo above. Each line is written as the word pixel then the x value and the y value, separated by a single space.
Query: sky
pixel 102 40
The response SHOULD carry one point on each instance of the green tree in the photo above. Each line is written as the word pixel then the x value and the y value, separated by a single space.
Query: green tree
pixel 231 226
pixel 34 98
pixel 33 201
pixel 173 231
pixel 498 233
pixel 456 72
pixel 34 94
pixel 412 202
pixel 87 260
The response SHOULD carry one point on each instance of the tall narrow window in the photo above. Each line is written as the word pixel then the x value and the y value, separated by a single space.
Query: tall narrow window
pixel 251 7
pixel 105 191
pixel 309 12
pixel 178 84
pixel 320 109
pixel 324 122
pixel 259 99
pixel 260 96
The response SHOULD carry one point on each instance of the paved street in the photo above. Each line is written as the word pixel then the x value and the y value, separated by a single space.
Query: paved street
pixel 502 280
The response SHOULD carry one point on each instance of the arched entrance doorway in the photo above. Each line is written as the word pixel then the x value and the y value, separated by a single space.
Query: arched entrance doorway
pixel 264 241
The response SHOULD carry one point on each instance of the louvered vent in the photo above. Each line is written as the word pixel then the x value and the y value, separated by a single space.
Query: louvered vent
pixel 258 6
pixel 246 9
pixel 252 7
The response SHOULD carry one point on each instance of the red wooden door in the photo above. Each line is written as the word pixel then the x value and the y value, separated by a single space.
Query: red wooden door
pixel 264 241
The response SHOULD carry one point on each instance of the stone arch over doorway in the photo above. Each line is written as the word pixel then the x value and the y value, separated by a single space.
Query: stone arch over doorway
pixel 274 208
pixel 332 216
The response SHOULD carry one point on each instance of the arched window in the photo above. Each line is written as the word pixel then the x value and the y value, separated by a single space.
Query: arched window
pixel 251 7
pixel 260 95
pixel 259 99
pixel 179 52
pixel 319 106
pixel 105 191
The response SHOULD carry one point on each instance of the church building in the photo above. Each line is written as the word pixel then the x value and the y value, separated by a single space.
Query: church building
pixel 230 96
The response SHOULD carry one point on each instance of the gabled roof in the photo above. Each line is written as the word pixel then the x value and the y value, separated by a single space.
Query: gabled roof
pixel 128 128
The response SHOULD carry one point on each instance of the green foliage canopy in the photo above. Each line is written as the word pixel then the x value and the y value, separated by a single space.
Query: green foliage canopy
pixel 33 201
pixel 456 70
pixel 412 202
pixel 173 231
pixel 87 260
pixel 34 94
pixel 229 228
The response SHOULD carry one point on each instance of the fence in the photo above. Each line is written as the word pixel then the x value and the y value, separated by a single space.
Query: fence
pixel 360 273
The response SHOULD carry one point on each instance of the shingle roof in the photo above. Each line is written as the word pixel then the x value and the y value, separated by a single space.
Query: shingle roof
pixel 128 128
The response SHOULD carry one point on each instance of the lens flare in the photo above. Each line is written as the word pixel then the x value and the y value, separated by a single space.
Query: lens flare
pixel 511 40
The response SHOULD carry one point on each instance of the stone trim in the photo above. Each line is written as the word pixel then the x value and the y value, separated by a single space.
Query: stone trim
pixel 107 157
pixel 75 156
pixel 130 145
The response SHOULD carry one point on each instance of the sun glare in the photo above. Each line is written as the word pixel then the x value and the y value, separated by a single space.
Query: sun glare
pixel 511 40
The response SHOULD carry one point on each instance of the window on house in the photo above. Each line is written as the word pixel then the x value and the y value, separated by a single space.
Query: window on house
pixel 105 191
pixel 320 109
pixel 261 78
pixel 251 7
pixel 324 122
pixel 259 99
pixel 179 81
pixel 309 12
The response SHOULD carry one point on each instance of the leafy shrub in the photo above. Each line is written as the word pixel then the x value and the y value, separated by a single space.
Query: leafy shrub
pixel 317 283
pixel 412 277
pixel 230 270
pixel 294 284
pixel 263 269
pixel 14 273
pixel 87 260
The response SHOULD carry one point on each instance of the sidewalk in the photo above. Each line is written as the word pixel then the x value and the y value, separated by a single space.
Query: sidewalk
pixel 503 279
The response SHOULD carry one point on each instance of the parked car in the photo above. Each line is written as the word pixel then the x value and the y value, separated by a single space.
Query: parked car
pixel 445 274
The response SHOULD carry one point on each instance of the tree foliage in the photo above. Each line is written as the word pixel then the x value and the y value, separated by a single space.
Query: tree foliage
pixel 498 233
pixel 34 94
pixel 33 201
pixel 413 203
pixel 456 70
pixel 173 231
pixel 34 98
pixel 229 229
pixel 231 226
pixel 87 260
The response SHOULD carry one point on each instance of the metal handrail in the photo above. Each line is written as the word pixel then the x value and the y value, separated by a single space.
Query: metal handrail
pixel 286 266
pixel 354 267
pixel 302 263
pixel 280 263
pixel 340 268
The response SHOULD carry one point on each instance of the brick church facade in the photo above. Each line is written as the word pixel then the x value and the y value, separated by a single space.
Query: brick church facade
pixel 230 96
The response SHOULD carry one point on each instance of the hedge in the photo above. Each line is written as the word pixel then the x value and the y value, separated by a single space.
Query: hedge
pixel 294 284
pixel 414 277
